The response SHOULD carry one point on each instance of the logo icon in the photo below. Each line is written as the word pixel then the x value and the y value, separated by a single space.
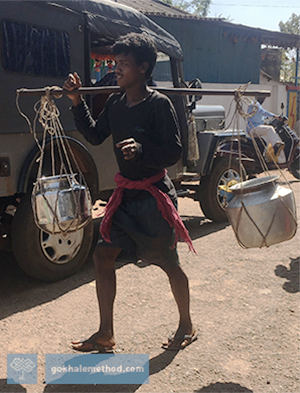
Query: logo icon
pixel 21 369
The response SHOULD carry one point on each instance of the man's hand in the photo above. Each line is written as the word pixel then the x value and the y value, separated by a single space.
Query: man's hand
pixel 129 147
pixel 73 83
pixel 282 118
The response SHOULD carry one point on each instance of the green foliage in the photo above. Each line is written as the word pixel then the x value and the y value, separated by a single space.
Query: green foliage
pixel 292 26
pixel 288 66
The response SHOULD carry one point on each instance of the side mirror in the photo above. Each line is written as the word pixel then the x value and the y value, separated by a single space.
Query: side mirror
pixel 195 84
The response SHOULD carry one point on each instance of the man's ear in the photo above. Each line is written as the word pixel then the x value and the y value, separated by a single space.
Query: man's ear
pixel 144 67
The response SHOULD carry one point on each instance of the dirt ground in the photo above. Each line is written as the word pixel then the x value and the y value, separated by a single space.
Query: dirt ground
pixel 244 303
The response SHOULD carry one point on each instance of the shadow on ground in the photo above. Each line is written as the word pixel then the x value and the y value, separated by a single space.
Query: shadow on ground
pixel 201 226
pixel 213 388
pixel 20 292
pixel 227 387
pixel 289 182
pixel 292 275
pixel 11 388
pixel 156 365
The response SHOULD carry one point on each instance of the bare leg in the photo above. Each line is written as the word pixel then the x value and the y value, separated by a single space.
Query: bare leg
pixel 158 255
pixel 180 288
pixel 104 260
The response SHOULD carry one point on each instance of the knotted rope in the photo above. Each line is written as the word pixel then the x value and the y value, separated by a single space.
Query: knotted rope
pixel 47 114
pixel 241 101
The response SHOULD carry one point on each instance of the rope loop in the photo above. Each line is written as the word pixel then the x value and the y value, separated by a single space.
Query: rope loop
pixel 242 101
pixel 62 162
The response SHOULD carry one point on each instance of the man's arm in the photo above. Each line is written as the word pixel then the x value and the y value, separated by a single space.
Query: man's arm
pixel 264 113
pixel 94 132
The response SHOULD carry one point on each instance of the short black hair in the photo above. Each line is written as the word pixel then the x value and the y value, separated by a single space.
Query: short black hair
pixel 141 46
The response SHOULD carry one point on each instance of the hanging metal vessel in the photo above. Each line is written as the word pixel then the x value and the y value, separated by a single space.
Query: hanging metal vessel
pixel 262 212
pixel 61 204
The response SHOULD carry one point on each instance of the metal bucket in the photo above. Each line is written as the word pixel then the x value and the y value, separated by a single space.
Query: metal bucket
pixel 262 212
pixel 61 204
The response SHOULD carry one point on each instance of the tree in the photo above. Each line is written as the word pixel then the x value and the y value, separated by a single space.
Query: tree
pixel 292 26
pixel 288 66
pixel 196 7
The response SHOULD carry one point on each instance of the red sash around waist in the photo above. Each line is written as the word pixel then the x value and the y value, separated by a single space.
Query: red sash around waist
pixel 164 205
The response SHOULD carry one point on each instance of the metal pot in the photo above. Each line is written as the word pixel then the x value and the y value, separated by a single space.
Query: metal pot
pixel 262 212
pixel 61 204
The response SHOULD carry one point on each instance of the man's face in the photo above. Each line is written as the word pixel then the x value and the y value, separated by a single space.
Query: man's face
pixel 129 73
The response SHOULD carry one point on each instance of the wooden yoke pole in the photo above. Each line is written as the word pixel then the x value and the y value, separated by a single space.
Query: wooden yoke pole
pixel 165 90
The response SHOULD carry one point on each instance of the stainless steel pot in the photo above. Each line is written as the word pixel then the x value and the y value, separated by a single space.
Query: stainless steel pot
pixel 262 212
pixel 61 204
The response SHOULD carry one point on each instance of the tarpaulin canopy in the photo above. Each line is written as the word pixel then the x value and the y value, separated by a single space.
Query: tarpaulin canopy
pixel 107 20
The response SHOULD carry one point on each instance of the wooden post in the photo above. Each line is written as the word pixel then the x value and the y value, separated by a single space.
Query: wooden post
pixel 165 90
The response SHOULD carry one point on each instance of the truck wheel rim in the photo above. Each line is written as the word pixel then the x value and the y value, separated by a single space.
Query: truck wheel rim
pixel 61 248
pixel 228 178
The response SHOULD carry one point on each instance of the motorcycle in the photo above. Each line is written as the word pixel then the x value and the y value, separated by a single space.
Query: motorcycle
pixel 251 151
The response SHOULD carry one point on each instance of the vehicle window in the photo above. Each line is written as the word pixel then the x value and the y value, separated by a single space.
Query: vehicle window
pixel 35 50
pixel 162 69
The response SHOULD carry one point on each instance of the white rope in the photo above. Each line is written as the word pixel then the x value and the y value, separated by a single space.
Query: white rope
pixel 47 114
pixel 193 145
pixel 241 101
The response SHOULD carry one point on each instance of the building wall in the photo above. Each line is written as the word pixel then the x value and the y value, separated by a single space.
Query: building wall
pixel 213 53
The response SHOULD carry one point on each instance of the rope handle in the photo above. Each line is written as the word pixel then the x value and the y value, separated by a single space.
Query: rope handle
pixel 47 114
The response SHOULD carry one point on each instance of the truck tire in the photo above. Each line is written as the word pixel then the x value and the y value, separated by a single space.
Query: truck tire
pixel 213 204
pixel 43 256
pixel 295 168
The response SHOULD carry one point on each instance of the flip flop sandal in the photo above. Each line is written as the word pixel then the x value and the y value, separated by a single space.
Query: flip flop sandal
pixel 92 346
pixel 185 340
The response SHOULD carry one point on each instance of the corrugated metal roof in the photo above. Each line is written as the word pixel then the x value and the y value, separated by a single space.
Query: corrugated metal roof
pixel 153 7
pixel 267 37
pixel 159 8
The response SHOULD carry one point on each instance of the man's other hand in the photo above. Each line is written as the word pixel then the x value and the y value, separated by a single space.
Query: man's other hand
pixel 129 147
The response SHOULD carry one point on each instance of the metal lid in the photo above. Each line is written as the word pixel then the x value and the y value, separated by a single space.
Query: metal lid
pixel 254 184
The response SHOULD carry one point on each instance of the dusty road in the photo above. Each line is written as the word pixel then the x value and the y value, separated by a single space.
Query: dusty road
pixel 244 303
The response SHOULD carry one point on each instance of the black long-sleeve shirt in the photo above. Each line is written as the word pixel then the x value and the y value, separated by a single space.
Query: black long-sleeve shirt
pixel 152 123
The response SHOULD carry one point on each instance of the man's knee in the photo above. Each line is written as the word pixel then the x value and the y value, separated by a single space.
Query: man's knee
pixel 176 271
pixel 170 267
pixel 104 257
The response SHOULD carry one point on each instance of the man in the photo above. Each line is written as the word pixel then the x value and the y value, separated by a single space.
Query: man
pixel 141 215
pixel 257 128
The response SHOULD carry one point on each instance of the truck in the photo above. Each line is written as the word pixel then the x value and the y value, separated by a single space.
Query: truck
pixel 43 41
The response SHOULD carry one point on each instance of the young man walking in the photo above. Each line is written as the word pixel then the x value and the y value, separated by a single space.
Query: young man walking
pixel 141 215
